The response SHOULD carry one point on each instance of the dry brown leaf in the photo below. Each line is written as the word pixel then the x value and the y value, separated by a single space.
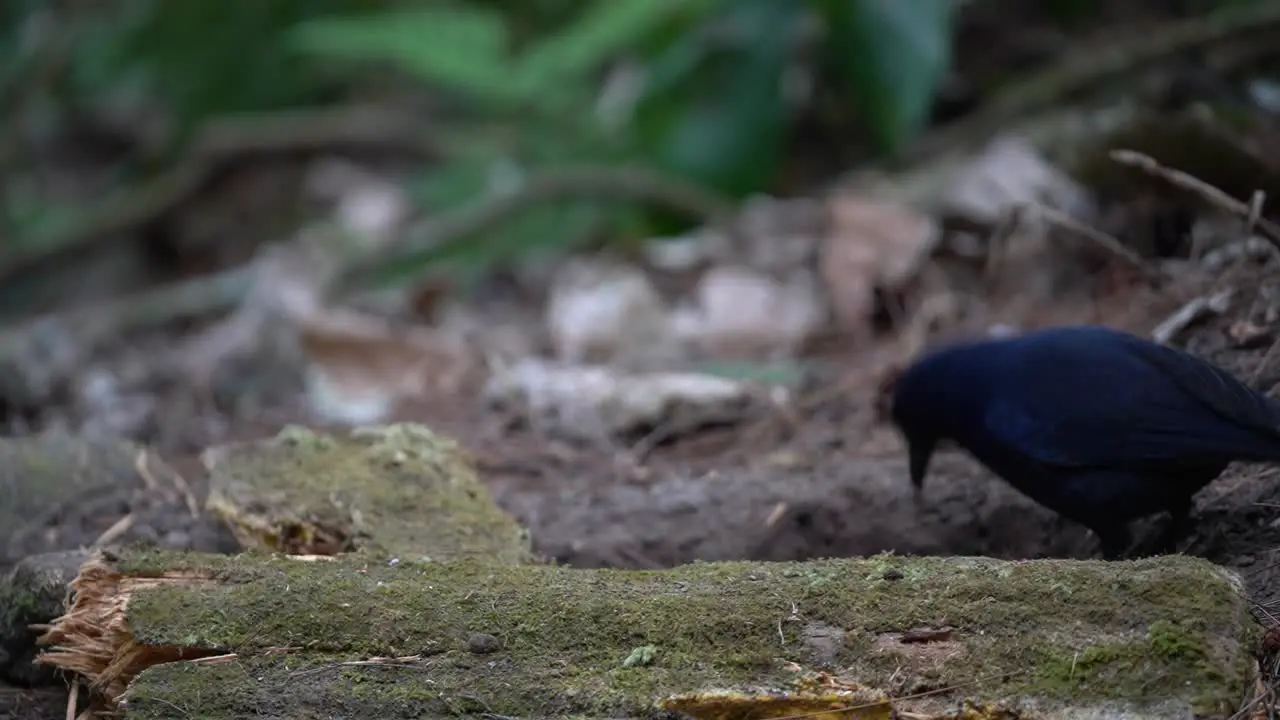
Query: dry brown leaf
pixel 871 244
pixel 361 366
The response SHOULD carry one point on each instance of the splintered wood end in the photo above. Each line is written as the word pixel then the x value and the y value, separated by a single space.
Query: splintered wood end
pixel 93 640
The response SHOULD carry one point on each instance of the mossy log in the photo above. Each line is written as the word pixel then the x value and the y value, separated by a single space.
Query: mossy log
pixel 32 593
pixel 399 490
pixel 166 635
pixel 57 479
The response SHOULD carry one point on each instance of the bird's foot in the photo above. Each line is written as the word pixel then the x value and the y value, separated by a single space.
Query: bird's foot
pixel 917 495
pixel 1166 540
pixel 1164 543
pixel 1115 544
pixel 1174 532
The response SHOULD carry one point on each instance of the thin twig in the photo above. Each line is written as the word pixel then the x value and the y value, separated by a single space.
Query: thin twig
pixel 218 141
pixel 1090 65
pixel 1097 237
pixel 115 532
pixel 451 231
pixel 1249 213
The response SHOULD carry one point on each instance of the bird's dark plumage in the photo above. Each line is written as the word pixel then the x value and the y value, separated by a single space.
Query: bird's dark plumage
pixel 1099 425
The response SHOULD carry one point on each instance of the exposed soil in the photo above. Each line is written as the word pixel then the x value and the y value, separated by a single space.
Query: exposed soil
pixel 828 482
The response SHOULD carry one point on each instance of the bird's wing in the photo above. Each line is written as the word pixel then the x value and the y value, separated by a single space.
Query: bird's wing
pixel 1151 406
pixel 1213 386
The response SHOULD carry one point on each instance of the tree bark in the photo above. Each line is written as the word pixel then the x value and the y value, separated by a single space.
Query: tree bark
pixel 167 635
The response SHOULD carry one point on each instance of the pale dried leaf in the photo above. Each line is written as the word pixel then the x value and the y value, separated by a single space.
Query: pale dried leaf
pixel 685 252
pixel 742 312
pixel 588 401
pixel 286 289
pixel 1010 173
pixel 607 312
pixel 369 206
pixel 361 366
pixel 872 244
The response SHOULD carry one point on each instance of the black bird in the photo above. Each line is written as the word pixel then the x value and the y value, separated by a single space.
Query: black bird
pixel 1098 425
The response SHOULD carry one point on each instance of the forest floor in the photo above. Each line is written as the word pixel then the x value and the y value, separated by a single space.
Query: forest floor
pixel 827 479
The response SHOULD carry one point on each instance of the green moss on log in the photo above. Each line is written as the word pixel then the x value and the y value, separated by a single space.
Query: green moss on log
pixel 1142 637
pixel 399 490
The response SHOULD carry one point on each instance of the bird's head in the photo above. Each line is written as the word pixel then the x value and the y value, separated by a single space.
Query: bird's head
pixel 903 400
pixel 940 396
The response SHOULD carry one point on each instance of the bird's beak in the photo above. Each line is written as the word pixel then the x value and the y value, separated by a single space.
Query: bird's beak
pixel 919 453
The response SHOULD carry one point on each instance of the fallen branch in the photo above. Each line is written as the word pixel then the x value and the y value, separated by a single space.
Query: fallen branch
pixel 1192 312
pixel 37 356
pixel 1107 243
pixel 397 492
pixel 1250 213
pixel 442 234
pixel 217 142
pixel 180 636
pixel 1093 65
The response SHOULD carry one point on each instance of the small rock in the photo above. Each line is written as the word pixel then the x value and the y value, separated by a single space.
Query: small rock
pixel 483 643
pixel 594 401
pixel 370 206
pixel 144 535
pixel 605 312
pixel 1254 248
pixel 741 312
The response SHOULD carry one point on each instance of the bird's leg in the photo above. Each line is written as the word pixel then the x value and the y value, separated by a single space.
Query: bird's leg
pixel 1179 526
pixel 1115 542
pixel 917 494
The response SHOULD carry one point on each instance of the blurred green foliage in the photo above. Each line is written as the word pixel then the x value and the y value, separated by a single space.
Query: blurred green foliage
pixel 712 104
pixel 707 90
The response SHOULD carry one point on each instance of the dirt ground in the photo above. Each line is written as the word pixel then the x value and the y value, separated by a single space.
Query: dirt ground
pixel 829 481
pixel 832 484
